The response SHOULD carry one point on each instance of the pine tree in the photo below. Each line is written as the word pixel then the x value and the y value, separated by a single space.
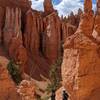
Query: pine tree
pixel 55 76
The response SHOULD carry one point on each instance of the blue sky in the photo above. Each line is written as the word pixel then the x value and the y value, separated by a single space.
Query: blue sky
pixel 94 1
pixel 64 7
pixel 56 2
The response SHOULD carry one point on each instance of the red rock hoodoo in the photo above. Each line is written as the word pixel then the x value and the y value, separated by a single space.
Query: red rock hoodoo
pixel 80 67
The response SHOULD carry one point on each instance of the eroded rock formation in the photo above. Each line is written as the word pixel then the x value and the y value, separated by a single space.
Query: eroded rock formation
pixel 48 7
pixel 80 68
pixel 7 86
pixel 12 26
pixel 87 5
pixel 77 75
pixel 98 6
pixel 70 24
pixel 43 37
pixel 87 20
pixel 52 37
pixel 32 38
pixel 26 89
pixel 31 33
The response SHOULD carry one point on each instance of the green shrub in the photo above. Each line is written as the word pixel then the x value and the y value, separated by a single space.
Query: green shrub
pixel 55 77
pixel 14 72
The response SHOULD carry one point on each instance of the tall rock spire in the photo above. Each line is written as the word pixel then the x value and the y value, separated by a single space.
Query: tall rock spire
pixel 88 5
pixel 48 7
pixel 87 20
pixel 98 6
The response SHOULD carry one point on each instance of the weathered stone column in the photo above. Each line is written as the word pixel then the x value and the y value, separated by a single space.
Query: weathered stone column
pixel 31 33
pixel 80 68
pixel 96 31
pixel 48 7
pixel 12 26
pixel 18 53
pixel 52 37
pixel 87 20
pixel 87 5
pixel 98 6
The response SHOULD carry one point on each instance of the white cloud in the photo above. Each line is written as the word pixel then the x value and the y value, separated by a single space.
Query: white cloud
pixel 64 8
pixel 37 4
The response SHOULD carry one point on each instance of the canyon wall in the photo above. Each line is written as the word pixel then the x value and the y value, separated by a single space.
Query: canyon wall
pixel 34 39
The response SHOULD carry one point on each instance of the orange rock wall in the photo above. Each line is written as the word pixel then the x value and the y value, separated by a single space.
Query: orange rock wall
pixel 81 61
pixel 32 38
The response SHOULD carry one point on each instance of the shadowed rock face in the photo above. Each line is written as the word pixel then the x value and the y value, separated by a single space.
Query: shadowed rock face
pixel 23 4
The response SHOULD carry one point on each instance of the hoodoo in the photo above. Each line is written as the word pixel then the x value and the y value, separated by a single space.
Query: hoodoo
pixel 80 67
pixel 35 40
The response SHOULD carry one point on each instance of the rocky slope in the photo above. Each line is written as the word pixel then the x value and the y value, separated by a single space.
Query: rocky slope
pixel 8 89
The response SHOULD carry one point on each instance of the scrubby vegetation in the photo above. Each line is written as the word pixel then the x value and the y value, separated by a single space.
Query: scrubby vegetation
pixel 14 72
pixel 55 76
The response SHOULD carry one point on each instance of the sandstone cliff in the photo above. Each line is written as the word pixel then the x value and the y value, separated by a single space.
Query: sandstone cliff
pixel 32 38
pixel 80 67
